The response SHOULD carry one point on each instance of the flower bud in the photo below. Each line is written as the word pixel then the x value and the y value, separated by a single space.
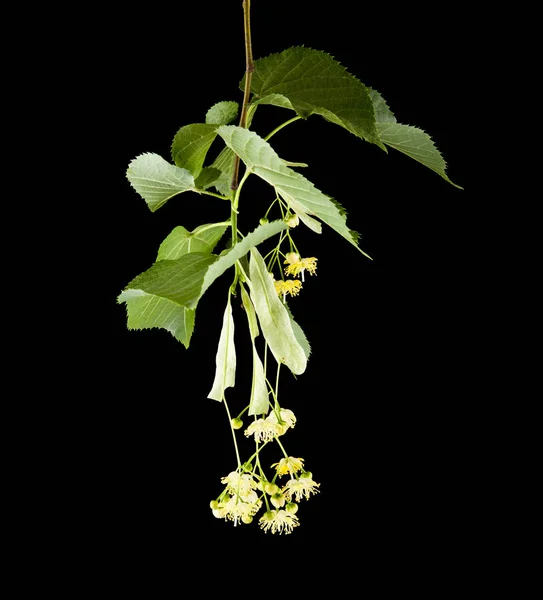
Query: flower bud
pixel 292 257
pixel 292 220
pixel 291 508
pixel 306 475
pixel 271 488
pixel 263 221
pixel 247 519
pixel 278 500
pixel 236 423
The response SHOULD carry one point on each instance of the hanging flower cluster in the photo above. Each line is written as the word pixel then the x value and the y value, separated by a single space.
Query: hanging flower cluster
pixel 279 490
pixel 248 488
pixel 295 266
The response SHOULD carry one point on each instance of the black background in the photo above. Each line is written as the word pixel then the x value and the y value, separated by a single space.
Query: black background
pixel 380 408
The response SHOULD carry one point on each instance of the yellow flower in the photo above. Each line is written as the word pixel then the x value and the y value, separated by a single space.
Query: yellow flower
pixel 264 430
pixel 235 509
pixel 289 465
pixel 297 265
pixel 290 286
pixel 278 521
pixel 240 484
pixel 300 488
pixel 286 419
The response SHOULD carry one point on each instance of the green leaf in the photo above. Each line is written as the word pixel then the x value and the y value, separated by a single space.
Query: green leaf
pixel 275 100
pixel 313 82
pixel 180 241
pixel 225 360
pixel 412 141
pixel 167 293
pixel 383 114
pixel 190 146
pixel 208 177
pixel 416 144
pixel 301 195
pixel 273 317
pixel 224 163
pixel 147 312
pixel 177 280
pixel 228 259
pixel 259 402
pixel 156 180
pixel 222 113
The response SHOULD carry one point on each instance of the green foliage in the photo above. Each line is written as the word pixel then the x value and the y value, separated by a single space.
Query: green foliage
pixel 160 297
pixel 307 82
pixel 190 146
pixel 224 164
pixel 222 113
pixel 147 312
pixel 210 176
pixel 412 141
pixel 416 144
pixel 156 180
pixel 299 193
pixel 180 241
pixel 228 259
pixel 166 295
pixel 177 280
pixel 312 82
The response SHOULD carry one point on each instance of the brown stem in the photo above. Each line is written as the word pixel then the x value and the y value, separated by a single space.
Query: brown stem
pixel 249 68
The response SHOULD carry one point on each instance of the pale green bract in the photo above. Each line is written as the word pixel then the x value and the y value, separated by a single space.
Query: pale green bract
pixel 299 333
pixel 273 317
pixel 228 259
pixel 258 402
pixel 301 195
pixel 225 360
pixel 250 312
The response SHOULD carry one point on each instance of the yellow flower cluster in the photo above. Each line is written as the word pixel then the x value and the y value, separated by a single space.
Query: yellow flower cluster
pixel 297 266
pixel 239 501
pixel 266 429
pixel 284 520
pixel 290 286
pixel 246 491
